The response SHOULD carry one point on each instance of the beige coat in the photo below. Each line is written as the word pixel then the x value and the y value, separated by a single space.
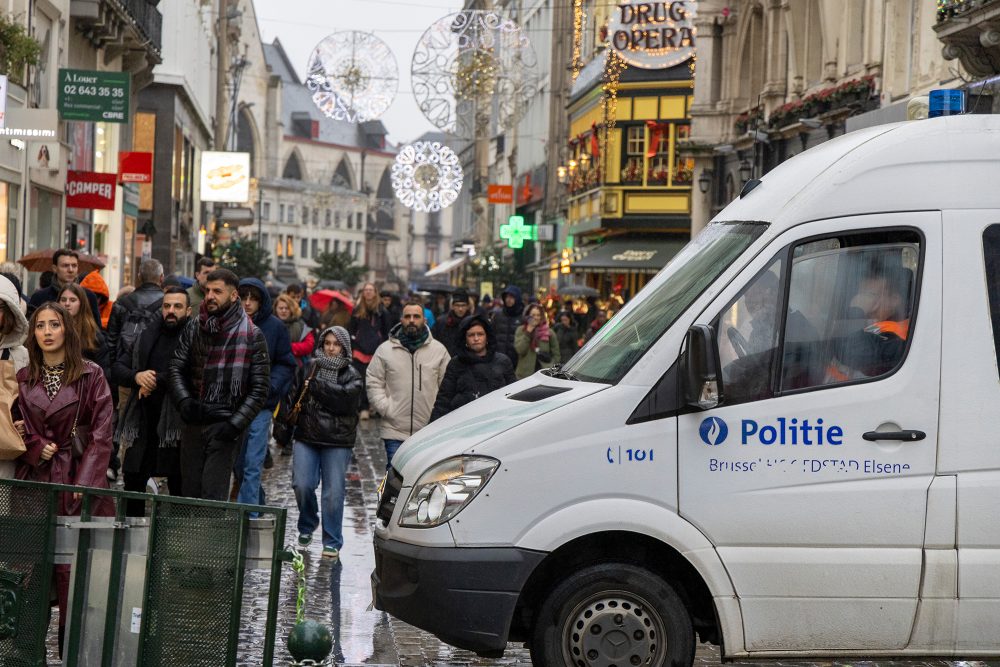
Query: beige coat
pixel 15 343
pixel 402 387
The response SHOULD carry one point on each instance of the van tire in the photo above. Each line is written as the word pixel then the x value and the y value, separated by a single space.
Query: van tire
pixel 602 606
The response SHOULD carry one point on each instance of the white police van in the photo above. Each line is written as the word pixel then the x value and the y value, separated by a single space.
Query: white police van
pixel 787 444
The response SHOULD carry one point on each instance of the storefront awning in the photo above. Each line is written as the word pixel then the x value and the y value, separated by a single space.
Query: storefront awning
pixel 629 256
pixel 447 266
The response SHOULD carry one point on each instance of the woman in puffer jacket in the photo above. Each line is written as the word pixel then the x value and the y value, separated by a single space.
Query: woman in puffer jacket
pixel 476 370
pixel 329 394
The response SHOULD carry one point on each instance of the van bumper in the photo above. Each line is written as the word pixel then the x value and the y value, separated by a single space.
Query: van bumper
pixel 464 596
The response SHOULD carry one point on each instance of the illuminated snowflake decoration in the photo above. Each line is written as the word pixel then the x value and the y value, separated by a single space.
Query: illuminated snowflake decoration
pixel 471 69
pixel 352 76
pixel 427 176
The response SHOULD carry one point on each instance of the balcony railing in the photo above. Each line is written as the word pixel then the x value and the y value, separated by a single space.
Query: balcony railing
pixel 967 28
pixel 129 24
pixel 148 19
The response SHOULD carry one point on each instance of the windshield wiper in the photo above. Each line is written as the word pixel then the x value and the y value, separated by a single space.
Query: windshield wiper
pixel 558 373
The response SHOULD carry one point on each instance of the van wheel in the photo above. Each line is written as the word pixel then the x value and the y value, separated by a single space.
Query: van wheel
pixel 612 615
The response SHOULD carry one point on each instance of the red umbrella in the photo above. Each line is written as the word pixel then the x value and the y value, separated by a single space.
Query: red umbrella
pixel 321 300
pixel 41 260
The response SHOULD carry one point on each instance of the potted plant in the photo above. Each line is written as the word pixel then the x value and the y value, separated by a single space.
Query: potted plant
pixel 18 50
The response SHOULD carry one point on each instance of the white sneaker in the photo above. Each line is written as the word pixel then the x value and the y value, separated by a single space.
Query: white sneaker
pixel 152 486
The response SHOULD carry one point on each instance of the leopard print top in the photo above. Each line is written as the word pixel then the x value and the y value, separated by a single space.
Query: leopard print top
pixel 52 378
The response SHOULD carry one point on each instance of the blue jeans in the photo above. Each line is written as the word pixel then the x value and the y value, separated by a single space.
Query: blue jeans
pixel 309 465
pixel 390 450
pixel 249 465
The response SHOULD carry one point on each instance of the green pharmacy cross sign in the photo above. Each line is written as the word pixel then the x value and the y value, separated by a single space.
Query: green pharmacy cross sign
pixel 515 232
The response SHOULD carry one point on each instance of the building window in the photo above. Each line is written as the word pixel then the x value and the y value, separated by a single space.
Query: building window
pixel 432 255
pixel 305 215
pixel 336 219
pixel 357 250
pixel 350 224
pixel 347 248
pixel 336 245
pixel 305 249
pixel 315 248
pixel 264 240
pixel 291 213
pixel 279 248
pixel 659 165
pixel 315 217
pixel 290 248
pixel 360 220
pixel 328 218
pixel 635 154
pixel 265 212
pixel 683 173
pixel 326 245
pixel 281 212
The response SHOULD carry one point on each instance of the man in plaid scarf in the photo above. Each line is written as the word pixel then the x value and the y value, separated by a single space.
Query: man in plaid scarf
pixel 220 377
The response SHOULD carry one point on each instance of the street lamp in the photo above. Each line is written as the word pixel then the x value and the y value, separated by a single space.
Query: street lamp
pixel 561 173
pixel 705 180
pixel 746 171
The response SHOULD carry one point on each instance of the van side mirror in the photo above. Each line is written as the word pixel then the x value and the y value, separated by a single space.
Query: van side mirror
pixel 700 368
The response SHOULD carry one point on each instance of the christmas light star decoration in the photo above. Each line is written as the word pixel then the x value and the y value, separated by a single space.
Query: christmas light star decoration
pixel 472 68
pixel 427 176
pixel 353 76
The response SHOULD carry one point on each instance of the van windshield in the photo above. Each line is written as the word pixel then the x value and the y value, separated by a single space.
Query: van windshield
pixel 626 337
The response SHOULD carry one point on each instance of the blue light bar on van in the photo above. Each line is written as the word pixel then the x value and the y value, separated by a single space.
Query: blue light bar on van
pixel 946 103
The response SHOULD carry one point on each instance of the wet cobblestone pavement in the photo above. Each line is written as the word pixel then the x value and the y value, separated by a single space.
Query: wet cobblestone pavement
pixel 339 594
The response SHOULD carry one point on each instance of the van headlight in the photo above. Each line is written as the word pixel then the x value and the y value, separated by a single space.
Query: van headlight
pixel 444 489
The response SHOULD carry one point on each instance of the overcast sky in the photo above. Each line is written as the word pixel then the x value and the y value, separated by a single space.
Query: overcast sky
pixel 301 24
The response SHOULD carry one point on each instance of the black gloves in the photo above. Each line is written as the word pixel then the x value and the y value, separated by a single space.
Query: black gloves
pixel 190 411
pixel 222 431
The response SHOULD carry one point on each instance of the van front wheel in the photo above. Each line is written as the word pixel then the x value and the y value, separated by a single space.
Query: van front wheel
pixel 612 614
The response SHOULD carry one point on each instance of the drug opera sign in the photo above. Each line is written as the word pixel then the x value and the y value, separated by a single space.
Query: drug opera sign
pixel 654 35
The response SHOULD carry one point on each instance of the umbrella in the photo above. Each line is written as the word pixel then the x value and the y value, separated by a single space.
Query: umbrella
pixel 578 290
pixel 41 260
pixel 332 284
pixel 321 299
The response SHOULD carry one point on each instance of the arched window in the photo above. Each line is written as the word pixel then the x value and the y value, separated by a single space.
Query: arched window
pixel 342 176
pixel 752 57
pixel 293 168
pixel 383 216
pixel 246 137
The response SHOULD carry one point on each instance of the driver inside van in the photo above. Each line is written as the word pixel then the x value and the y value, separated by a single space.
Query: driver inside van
pixel 882 301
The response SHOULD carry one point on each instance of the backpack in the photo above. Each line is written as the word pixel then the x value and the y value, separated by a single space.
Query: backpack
pixel 136 321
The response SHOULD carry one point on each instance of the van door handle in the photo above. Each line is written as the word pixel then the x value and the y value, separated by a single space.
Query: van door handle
pixel 906 436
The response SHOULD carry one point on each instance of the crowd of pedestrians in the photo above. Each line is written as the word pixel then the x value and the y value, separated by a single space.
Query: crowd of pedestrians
pixel 190 385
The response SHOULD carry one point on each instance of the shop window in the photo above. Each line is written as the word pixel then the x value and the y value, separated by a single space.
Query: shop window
pixel 683 173
pixel 635 154
pixel 659 164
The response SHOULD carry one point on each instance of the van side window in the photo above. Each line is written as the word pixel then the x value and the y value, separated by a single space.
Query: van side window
pixel 748 337
pixel 850 308
pixel 991 256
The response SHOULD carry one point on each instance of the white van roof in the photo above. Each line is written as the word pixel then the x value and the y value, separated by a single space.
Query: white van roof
pixel 935 164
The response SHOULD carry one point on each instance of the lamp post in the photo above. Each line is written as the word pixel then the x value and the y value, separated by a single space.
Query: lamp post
pixel 746 171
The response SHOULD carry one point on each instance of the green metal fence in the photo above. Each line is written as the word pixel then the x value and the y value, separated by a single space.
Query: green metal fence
pixel 166 589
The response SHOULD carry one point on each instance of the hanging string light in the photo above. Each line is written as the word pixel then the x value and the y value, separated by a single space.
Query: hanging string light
pixel 579 19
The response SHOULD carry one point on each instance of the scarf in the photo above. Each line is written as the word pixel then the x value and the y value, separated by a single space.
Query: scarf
pixel 540 336
pixel 328 368
pixel 410 342
pixel 230 351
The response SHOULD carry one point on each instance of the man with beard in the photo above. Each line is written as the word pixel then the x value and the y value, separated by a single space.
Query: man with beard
pixel 150 428
pixel 404 376
pixel 220 377
pixel 447 329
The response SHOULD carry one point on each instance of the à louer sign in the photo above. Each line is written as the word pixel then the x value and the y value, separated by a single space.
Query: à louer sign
pixel 654 35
